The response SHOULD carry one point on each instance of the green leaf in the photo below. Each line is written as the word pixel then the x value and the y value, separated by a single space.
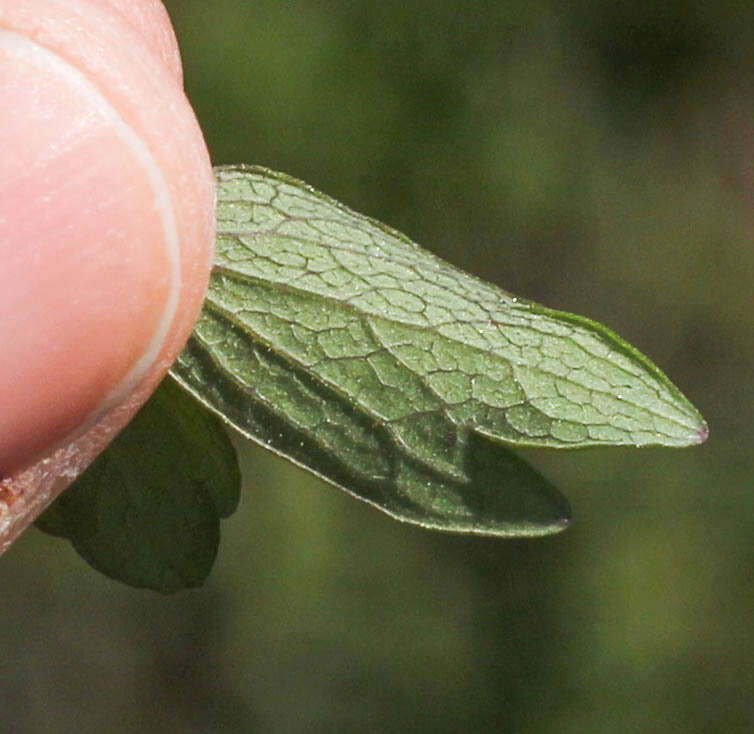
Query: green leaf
pixel 147 511
pixel 342 345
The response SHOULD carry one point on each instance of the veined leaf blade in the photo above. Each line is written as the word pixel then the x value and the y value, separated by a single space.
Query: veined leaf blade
pixel 391 362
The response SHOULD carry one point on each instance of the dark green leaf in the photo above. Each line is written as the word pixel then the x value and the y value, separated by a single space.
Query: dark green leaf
pixel 147 511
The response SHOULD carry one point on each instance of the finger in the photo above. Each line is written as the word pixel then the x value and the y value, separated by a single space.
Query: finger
pixel 106 232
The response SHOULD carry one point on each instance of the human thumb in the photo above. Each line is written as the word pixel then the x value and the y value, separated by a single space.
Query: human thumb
pixel 106 233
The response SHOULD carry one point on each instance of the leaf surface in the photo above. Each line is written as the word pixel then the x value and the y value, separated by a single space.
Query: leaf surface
pixel 147 511
pixel 339 343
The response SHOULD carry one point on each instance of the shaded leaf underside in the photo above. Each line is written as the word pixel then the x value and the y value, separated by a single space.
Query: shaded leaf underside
pixel 147 511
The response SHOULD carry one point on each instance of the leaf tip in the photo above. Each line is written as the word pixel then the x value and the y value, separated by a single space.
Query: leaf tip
pixel 703 432
pixel 696 432
pixel 561 521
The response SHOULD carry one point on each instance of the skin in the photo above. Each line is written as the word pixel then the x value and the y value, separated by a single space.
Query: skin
pixel 106 233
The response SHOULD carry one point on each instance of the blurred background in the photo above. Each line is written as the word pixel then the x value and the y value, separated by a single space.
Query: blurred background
pixel 594 156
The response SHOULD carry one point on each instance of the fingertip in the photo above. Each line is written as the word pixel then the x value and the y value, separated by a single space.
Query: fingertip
pixel 150 20
pixel 107 204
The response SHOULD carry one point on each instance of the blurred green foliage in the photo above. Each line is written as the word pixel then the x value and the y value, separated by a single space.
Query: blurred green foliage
pixel 592 156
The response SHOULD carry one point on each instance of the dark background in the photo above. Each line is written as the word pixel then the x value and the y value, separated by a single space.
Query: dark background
pixel 593 156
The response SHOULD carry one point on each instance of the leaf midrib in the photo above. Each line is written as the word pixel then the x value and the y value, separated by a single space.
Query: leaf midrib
pixel 251 279
pixel 527 308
